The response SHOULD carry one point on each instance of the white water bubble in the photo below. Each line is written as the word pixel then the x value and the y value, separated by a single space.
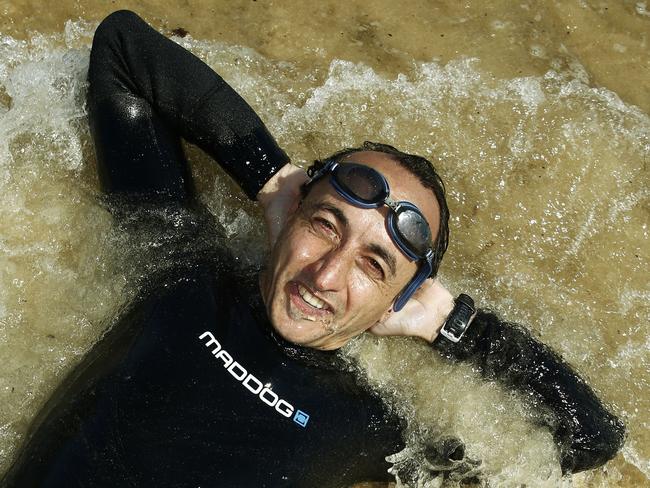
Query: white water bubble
pixel 641 8
pixel 538 51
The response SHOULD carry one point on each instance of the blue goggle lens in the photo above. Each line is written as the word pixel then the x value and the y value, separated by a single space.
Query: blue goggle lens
pixel 362 183
pixel 414 231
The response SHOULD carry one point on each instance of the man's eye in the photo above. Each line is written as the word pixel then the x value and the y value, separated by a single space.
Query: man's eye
pixel 375 268
pixel 325 224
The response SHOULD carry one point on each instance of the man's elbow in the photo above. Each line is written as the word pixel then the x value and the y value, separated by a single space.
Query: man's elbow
pixel 602 443
pixel 118 23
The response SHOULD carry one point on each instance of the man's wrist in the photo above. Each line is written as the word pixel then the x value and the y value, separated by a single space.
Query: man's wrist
pixel 457 321
pixel 443 309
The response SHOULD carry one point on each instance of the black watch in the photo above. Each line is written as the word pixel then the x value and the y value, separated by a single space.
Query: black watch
pixel 458 320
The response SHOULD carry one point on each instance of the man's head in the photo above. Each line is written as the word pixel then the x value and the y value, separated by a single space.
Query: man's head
pixel 334 270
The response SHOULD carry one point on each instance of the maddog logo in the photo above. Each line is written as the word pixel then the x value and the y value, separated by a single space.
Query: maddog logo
pixel 252 384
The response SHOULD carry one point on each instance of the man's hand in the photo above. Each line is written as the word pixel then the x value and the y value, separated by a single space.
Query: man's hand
pixel 280 197
pixel 422 316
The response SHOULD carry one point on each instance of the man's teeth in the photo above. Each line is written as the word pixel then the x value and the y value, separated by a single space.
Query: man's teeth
pixel 309 298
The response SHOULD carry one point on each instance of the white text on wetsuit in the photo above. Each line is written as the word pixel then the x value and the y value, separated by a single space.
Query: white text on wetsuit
pixel 252 384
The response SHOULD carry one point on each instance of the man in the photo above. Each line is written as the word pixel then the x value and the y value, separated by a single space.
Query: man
pixel 211 380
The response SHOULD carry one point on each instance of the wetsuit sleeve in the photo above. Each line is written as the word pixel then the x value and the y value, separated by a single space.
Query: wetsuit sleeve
pixel 586 433
pixel 137 73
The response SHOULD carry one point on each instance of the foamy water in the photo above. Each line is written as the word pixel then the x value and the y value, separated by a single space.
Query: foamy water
pixel 548 188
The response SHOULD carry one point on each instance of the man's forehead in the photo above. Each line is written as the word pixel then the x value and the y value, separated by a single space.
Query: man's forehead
pixel 370 158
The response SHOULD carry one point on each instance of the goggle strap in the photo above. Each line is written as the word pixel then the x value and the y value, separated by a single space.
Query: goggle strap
pixel 408 291
pixel 330 165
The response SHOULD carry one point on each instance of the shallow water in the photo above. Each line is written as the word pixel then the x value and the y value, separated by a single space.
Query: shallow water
pixel 542 136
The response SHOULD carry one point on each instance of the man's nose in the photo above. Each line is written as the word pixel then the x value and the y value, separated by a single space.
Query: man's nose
pixel 330 272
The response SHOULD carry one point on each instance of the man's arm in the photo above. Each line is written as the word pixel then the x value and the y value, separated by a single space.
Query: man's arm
pixel 144 92
pixel 586 433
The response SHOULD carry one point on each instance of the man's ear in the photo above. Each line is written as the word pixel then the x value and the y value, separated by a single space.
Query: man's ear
pixel 386 315
pixel 383 326
pixel 295 205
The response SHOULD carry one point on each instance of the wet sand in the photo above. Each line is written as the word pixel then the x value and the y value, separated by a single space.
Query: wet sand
pixel 610 39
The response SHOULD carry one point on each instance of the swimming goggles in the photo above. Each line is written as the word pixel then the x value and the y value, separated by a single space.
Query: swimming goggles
pixel 365 187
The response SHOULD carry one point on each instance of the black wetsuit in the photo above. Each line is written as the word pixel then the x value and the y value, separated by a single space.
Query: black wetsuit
pixel 191 387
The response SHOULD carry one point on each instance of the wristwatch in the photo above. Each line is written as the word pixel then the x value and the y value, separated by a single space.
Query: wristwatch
pixel 458 320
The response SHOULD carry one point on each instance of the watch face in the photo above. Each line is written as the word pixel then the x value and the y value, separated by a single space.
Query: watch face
pixel 458 325
pixel 458 320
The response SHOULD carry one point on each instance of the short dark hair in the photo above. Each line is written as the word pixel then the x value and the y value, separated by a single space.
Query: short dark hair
pixel 419 167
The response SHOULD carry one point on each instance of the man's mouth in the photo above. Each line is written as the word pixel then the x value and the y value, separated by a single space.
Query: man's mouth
pixel 310 306
pixel 312 300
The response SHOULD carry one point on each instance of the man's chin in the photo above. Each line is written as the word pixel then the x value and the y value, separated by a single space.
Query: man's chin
pixel 303 331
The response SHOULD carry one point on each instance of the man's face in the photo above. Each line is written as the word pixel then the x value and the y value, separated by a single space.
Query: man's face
pixel 334 270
